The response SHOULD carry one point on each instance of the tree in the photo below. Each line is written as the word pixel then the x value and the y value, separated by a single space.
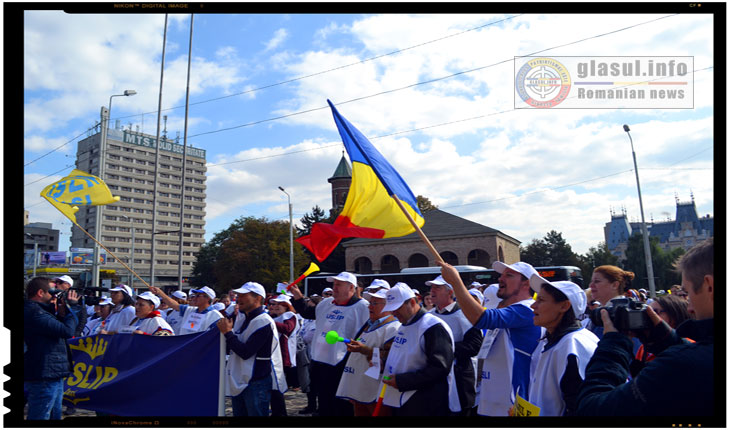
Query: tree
pixel 424 204
pixel 662 261
pixel 307 220
pixel 251 249
pixel 598 255
pixel 552 250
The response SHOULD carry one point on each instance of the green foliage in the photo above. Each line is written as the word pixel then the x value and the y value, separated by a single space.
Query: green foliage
pixel 598 255
pixel 552 250
pixel 424 204
pixel 251 249
pixel 662 263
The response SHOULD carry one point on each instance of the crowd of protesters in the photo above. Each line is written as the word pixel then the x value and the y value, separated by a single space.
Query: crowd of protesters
pixel 486 350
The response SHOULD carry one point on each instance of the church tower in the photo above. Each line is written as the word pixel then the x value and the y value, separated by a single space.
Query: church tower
pixel 340 181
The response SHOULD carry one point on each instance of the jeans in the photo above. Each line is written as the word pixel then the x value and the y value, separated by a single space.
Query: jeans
pixel 44 399
pixel 254 400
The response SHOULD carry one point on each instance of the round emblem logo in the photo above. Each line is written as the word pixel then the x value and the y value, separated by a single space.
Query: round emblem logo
pixel 543 82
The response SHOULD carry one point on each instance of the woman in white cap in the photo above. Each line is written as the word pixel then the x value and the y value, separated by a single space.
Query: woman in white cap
pixel 95 325
pixel 123 312
pixel 560 359
pixel 148 320
pixel 287 325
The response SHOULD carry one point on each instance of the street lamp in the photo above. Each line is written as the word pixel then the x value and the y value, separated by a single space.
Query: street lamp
pixel 102 148
pixel 131 258
pixel 644 231
pixel 291 239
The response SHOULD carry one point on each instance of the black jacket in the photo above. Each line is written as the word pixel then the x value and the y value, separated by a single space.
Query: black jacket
pixel 681 370
pixel 48 356
pixel 432 389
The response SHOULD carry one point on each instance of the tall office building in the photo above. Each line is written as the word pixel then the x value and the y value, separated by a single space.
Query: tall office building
pixel 129 173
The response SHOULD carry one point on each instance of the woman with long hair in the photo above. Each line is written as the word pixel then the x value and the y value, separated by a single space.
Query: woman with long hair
pixel 562 355
pixel 609 282
pixel 122 313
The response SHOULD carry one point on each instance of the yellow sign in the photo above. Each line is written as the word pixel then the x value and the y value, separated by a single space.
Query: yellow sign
pixel 523 408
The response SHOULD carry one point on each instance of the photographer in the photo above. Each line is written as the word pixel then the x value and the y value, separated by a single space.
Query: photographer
pixel 47 360
pixel 681 370
pixel 65 283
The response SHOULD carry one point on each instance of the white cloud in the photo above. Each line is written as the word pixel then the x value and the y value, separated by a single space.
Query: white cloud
pixel 279 36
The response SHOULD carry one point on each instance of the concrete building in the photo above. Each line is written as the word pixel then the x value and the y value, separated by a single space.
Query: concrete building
pixel 41 233
pixel 129 173
pixel 459 241
pixel 686 230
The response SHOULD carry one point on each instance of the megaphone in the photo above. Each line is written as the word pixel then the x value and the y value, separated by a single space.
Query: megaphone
pixel 332 338
pixel 312 268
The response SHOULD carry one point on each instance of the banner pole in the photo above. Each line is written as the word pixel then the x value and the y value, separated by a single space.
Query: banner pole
pixel 221 377
pixel 112 254
pixel 418 229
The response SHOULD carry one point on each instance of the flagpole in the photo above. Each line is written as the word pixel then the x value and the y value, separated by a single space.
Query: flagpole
pixel 112 254
pixel 418 229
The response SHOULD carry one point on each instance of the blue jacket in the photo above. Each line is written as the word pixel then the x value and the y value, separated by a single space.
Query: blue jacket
pixel 681 370
pixel 48 355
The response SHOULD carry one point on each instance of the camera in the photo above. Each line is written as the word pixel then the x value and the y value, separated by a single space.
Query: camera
pixel 86 293
pixel 625 313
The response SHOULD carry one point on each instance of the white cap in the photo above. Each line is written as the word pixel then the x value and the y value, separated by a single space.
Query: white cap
pixel 439 281
pixel 476 284
pixel 378 283
pixel 180 294
pixel 281 298
pixel 344 276
pixel 381 294
pixel 123 288
pixel 218 306
pixel 524 268
pixel 573 292
pixel 395 296
pixel 327 290
pixel 416 292
pixel 105 301
pixel 478 294
pixel 251 287
pixel 147 295
pixel 491 301
pixel 66 278
pixel 205 290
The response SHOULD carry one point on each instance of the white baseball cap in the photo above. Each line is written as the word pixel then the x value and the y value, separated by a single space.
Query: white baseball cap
pixel 328 290
pixel 395 296
pixel 476 284
pixel 251 287
pixel 491 301
pixel 378 283
pixel 524 268
pixel 344 276
pixel 205 290
pixel 66 278
pixel 125 289
pixel 281 298
pixel 416 292
pixel 105 301
pixel 478 294
pixel 573 292
pixel 380 293
pixel 439 281
pixel 218 306
pixel 147 295
pixel 179 294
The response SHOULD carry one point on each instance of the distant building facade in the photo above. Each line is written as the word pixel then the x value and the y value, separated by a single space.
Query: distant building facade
pixel 458 240
pixel 685 231
pixel 41 233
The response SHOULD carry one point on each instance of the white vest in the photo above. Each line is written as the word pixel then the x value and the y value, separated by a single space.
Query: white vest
pixel 120 319
pixel 194 322
pixel 345 320
pixel 147 325
pixel 496 395
pixel 354 384
pixel 408 354
pixel 91 326
pixel 292 339
pixel 547 369
pixel 239 371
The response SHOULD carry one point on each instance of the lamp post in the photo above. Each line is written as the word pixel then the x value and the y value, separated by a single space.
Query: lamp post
pixel 291 239
pixel 644 230
pixel 131 258
pixel 102 148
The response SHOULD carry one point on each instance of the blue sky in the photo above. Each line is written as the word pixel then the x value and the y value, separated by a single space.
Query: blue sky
pixel 514 165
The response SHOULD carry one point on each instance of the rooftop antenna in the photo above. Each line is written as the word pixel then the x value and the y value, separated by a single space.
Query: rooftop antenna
pixel 177 137
pixel 692 195
pixel 676 197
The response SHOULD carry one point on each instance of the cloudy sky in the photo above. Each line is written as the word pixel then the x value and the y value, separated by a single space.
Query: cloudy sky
pixel 259 85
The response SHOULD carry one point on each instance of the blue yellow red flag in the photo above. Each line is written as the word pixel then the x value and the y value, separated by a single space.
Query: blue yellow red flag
pixel 77 189
pixel 370 209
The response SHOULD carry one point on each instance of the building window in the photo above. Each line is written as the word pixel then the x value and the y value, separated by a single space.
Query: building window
pixel 389 264
pixel 478 257
pixel 363 265
pixel 449 257
pixel 417 260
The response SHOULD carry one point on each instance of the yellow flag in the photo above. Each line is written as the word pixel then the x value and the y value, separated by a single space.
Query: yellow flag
pixel 77 189
pixel 523 408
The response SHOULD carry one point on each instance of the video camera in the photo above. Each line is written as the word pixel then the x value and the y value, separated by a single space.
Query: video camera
pixel 86 293
pixel 626 314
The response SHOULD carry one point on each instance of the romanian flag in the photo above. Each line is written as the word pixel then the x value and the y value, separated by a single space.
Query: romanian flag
pixel 370 210
pixel 78 188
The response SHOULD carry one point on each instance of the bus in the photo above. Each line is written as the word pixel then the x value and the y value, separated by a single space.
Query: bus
pixel 416 277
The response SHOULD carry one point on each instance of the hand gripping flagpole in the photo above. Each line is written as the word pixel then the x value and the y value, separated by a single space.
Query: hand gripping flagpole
pixel 418 229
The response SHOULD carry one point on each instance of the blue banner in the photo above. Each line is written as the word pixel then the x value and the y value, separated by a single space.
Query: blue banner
pixel 138 375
